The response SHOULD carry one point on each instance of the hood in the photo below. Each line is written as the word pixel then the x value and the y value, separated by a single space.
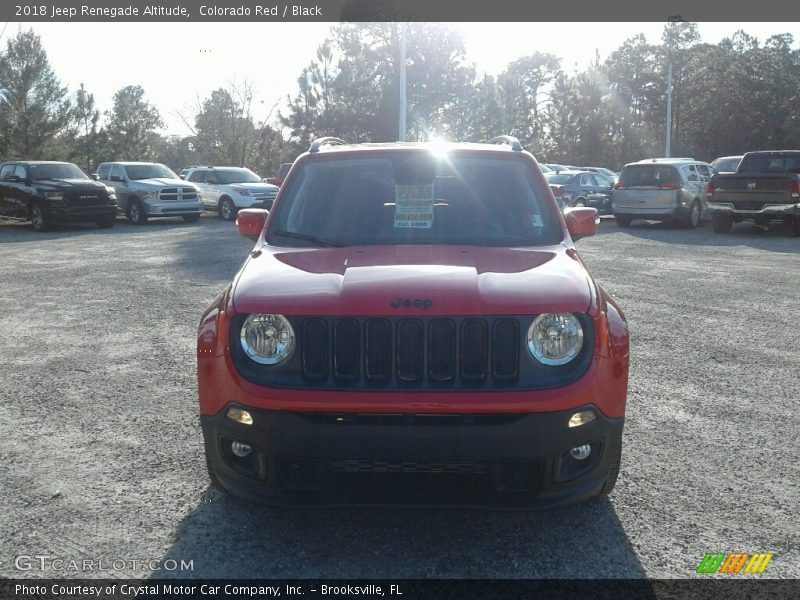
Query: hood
pixel 160 182
pixel 255 185
pixel 71 184
pixel 402 280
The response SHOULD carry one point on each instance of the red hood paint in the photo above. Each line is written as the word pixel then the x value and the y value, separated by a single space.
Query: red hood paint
pixel 367 280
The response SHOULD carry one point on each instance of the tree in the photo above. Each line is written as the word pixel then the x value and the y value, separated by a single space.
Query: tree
pixel 34 107
pixel 131 126
pixel 523 84
pixel 86 116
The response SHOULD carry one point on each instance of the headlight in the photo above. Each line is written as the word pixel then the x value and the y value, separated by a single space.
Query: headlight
pixel 149 195
pixel 241 191
pixel 555 338
pixel 53 196
pixel 267 339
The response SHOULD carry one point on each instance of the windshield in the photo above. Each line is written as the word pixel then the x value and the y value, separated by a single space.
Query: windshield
pixel 149 172
pixel 770 163
pixel 226 176
pixel 648 175
pixel 56 171
pixel 415 198
pixel 726 165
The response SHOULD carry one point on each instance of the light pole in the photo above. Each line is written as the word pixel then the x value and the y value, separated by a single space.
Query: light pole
pixel 401 104
pixel 668 148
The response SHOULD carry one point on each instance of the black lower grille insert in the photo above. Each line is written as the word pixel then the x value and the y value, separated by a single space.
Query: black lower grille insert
pixel 378 351
pixel 474 350
pixel 442 350
pixel 410 342
pixel 346 349
pixel 505 349
pixel 315 349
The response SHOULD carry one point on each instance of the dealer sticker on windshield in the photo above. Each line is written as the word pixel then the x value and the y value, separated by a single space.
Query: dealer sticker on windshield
pixel 413 206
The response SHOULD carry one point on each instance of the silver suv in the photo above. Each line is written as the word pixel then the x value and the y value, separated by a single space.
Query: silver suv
pixel 227 189
pixel 146 190
pixel 662 189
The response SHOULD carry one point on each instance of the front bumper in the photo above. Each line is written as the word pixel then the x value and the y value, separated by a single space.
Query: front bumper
pixel 78 214
pixel 499 460
pixel 155 208
pixel 265 203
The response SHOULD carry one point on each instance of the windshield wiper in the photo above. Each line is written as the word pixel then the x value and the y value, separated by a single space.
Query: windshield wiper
pixel 307 238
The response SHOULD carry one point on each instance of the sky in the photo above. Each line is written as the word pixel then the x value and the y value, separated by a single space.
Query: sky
pixel 179 64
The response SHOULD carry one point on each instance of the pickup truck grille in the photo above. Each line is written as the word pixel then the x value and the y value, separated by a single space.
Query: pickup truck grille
pixel 177 193
pixel 86 198
pixel 409 350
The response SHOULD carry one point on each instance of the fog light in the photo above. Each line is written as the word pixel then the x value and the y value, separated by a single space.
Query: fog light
pixel 582 418
pixel 578 452
pixel 241 449
pixel 239 415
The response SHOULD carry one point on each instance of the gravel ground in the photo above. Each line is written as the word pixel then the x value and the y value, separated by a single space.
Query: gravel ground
pixel 100 445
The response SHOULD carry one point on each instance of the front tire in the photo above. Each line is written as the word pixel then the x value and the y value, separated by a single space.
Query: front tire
pixel 136 213
pixel 105 222
pixel 227 210
pixel 580 202
pixel 623 220
pixel 721 223
pixel 39 218
pixel 613 474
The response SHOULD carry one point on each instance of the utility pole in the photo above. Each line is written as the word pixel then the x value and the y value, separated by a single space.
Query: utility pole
pixel 401 104
pixel 668 148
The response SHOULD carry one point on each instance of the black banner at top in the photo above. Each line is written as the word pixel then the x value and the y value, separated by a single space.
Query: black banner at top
pixel 394 10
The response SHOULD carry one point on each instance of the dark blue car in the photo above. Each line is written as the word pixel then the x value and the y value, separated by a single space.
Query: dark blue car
pixel 580 188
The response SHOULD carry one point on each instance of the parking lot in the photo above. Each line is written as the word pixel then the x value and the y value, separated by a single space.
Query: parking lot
pixel 101 453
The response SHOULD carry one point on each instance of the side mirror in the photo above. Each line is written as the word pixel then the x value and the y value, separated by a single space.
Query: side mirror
pixel 581 222
pixel 95 176
pixel 250 222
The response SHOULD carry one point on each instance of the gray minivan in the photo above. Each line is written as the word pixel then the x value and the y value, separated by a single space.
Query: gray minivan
pixel 662 189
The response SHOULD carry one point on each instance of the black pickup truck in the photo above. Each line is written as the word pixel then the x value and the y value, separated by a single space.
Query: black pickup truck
pixel 765 187
pixel 47 193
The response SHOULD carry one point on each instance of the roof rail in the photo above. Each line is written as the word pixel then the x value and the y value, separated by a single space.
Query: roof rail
pixel 325 141
pixel 507 140
pixel 673 159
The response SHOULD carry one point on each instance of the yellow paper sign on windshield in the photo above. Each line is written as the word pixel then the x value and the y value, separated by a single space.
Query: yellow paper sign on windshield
pixel 413 206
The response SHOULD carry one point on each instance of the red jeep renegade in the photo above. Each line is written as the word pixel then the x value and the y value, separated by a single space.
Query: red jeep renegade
pixel 414 325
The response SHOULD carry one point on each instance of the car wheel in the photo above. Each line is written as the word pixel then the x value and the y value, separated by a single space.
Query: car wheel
pixel 227 210
pixel 39 218
pixel 191 218
pixel 580 202
pixel 721 223
pixel 212 475
pixel 105 222
pixel 623 220
pixel 693 220
pixel 613 474
pixel 796 227
pixel 136 213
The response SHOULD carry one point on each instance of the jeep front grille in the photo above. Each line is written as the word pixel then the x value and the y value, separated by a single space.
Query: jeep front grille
pixel 435 353
pixel 410 350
